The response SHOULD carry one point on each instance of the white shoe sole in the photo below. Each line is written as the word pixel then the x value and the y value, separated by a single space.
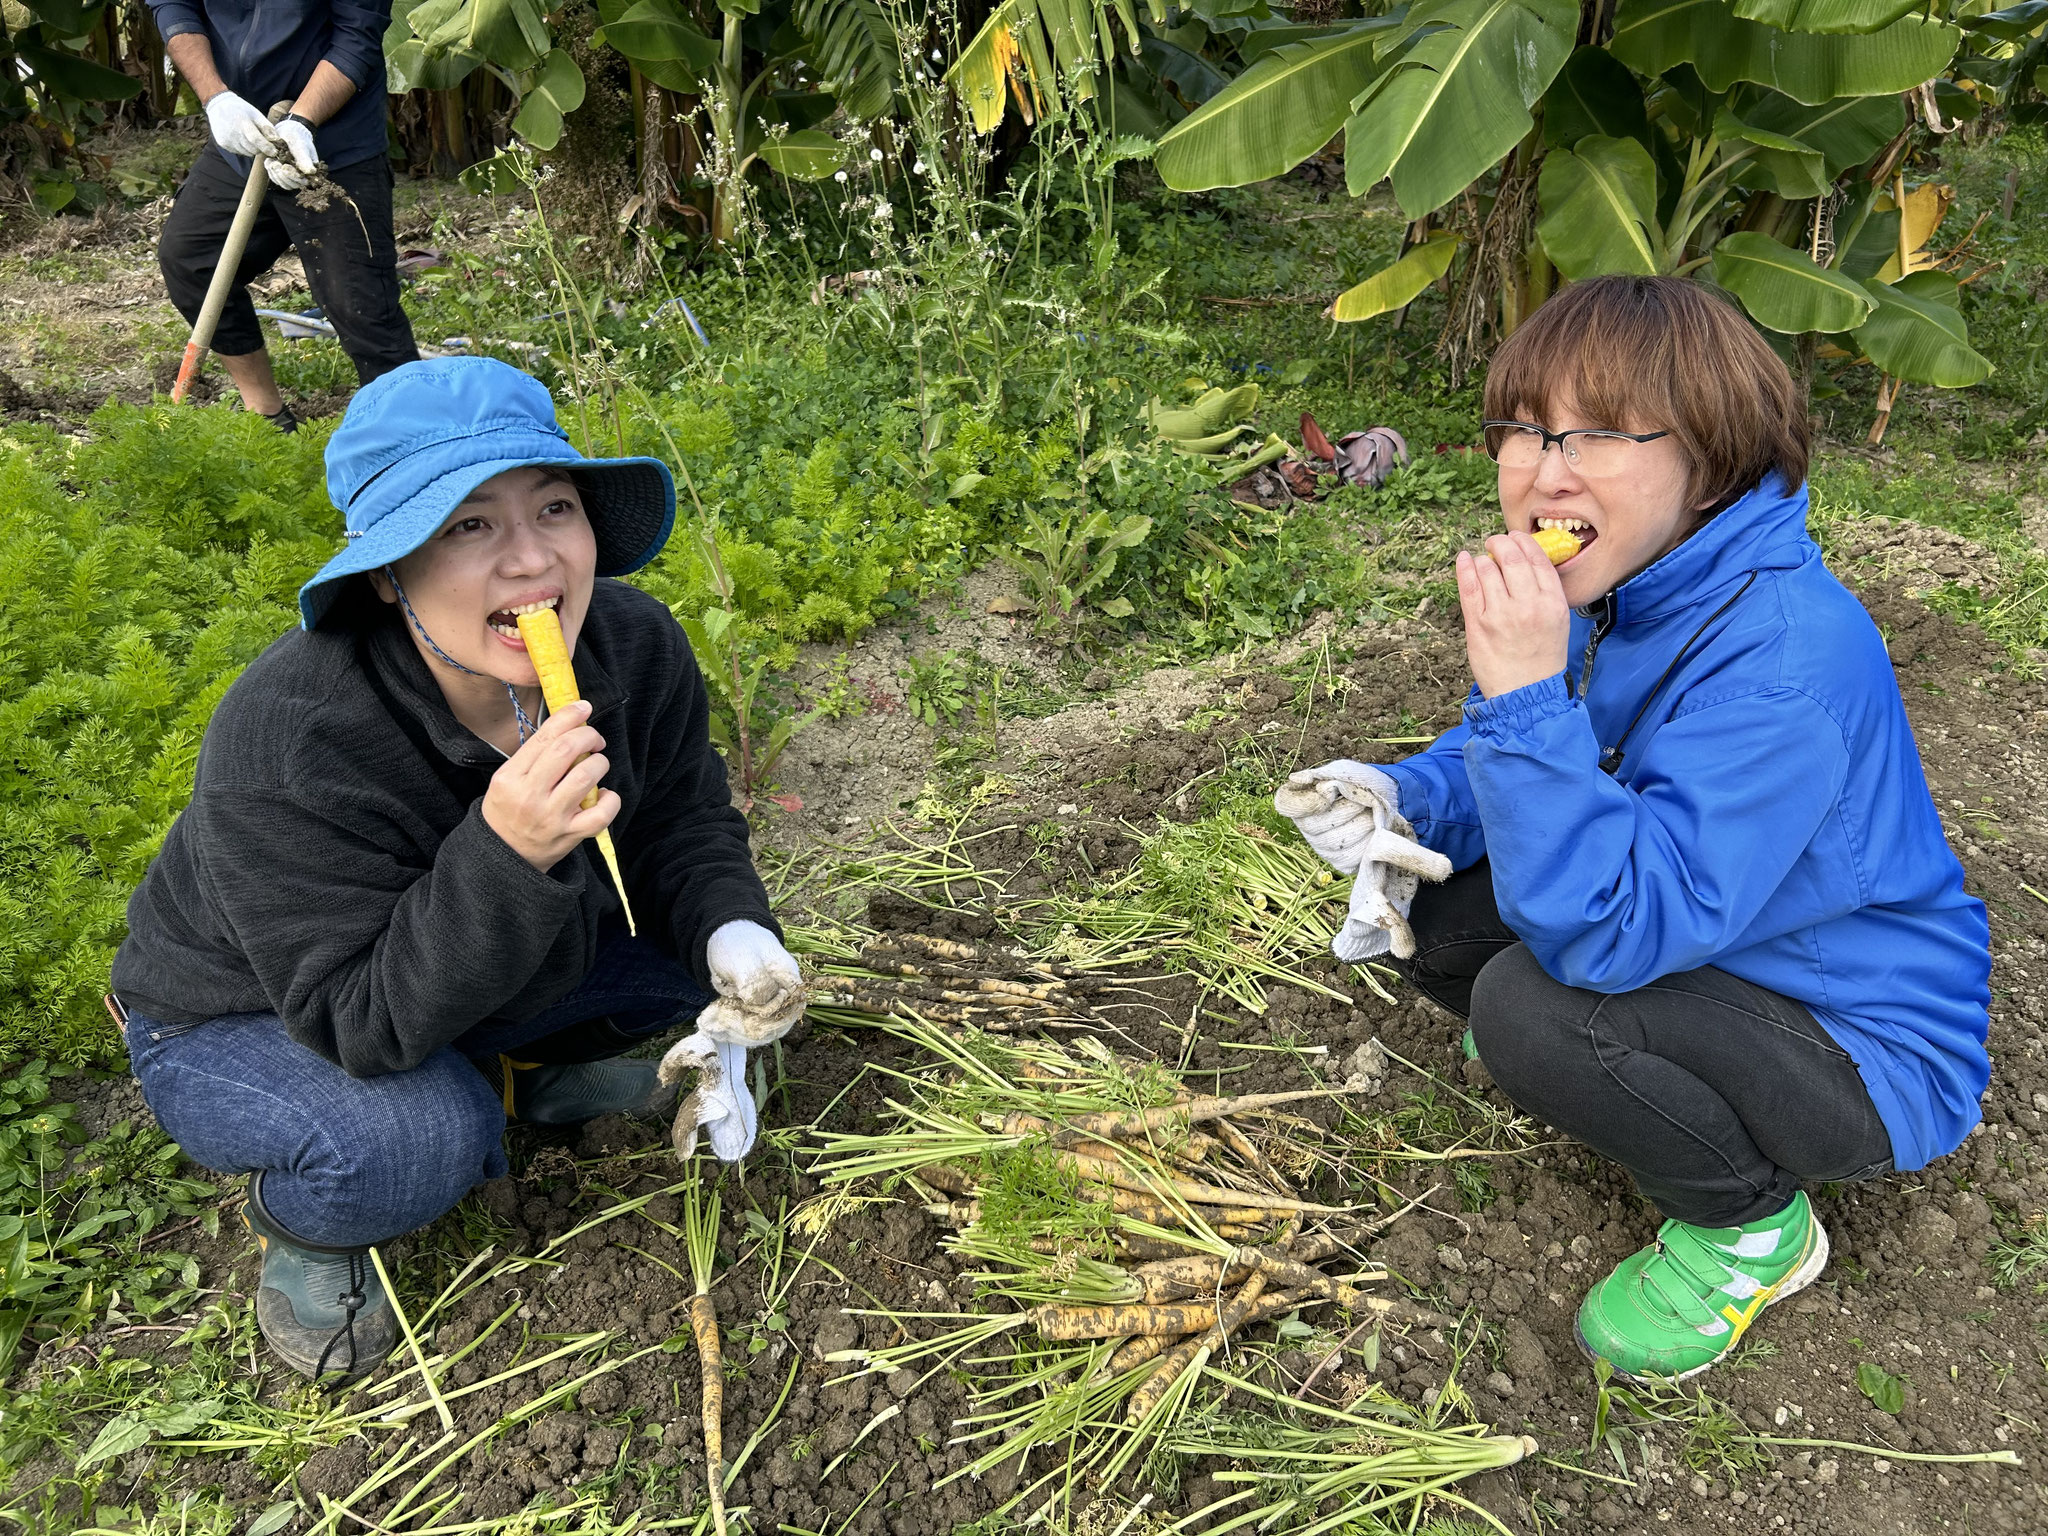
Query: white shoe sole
pixel 1802 1275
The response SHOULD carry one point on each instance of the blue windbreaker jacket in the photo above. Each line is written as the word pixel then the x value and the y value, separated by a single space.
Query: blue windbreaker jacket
pixel 1770 816
pixel 266 51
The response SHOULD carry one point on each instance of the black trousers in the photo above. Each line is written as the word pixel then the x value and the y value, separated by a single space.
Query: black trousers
pixel 350 259
pixel 1719 1096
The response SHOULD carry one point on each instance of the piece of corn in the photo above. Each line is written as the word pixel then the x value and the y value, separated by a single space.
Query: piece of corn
pixel 1560 544
pixel 542 633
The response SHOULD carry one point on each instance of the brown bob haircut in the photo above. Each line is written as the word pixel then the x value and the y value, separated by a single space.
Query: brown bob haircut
pixel 1650 354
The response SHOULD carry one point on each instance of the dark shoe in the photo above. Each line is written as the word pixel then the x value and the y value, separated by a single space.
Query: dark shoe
pixel 548 1094
pixel 282 419
pixel 321 1309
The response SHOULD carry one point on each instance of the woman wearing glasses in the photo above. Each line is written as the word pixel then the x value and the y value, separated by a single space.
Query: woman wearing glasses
pixel 1703 916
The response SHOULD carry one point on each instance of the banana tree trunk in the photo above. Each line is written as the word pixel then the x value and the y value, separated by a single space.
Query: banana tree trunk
pixel 726 124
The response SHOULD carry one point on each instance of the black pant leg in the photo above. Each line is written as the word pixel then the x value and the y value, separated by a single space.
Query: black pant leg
pixel 1457 928
pixel 1719 1096
pixel 189 250
pixel 351 266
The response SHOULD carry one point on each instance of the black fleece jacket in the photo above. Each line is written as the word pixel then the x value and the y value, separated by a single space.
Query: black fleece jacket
pixel 334 866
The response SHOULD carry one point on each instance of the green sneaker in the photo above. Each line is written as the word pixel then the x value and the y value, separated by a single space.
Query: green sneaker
pixel 538 1093
pixel 1679 1306
pixel 320 1309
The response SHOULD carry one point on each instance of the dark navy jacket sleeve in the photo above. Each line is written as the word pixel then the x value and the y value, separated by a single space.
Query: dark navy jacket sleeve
pixel 1612 885
pixel 175 18
pixel 357 46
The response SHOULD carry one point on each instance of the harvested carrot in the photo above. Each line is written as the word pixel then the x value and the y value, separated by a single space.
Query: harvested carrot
pixel 1135 1125
pixel 1193 1352
pixel 700 1237
pixel 1190 1148
pixel 549 652
pixel 1121 1322
pixel 1557 544
pixel 1136 1351
pixel 1122 1177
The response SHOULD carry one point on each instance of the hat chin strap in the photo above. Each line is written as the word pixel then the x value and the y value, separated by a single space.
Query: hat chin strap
pixel 526 725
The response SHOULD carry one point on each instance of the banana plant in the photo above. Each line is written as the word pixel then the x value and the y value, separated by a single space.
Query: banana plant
pixel 54 73
pixel 1743 142
pixel 722 67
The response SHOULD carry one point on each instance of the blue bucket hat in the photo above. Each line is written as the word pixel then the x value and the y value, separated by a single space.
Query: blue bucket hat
pixel 418 440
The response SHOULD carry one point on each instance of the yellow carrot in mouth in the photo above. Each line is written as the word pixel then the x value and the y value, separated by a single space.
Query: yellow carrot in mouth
pixel 542 633
pixel 1558 544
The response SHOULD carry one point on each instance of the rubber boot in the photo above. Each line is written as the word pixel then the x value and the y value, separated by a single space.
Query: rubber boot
pixel 321 1308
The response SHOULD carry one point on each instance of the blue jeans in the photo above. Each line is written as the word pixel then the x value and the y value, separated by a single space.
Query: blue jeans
pixel 349 1161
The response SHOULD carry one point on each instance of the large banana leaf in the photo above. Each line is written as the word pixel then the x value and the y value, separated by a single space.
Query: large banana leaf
pixel 1599 202
pixel 1917 333
pixel 555 93
pixel 810 154
pixel 1593 93
pixel 1827 15
pixel 2010 24
pixel 1033 47
pixel 1652 36
pixel 1846 132
pixel 1781 164
pixel 1455 96
pixel 664 43
pixel 68 75
pixel 513 33
pixel 852 46
pixel 1274 115
pixel 1783 290
pixel 1398 282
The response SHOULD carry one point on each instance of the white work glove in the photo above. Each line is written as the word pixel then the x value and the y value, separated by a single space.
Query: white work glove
pixel 760 990
pixel 297 139
pixel 720 1104
pixel 239 128
pixel 1350 814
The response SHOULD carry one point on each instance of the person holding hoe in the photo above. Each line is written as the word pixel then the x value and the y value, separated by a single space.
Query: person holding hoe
pixel 326 57
pixel 1695 898
pixel 382 928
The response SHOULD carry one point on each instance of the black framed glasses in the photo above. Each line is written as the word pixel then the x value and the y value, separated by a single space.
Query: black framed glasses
pixel 1594 451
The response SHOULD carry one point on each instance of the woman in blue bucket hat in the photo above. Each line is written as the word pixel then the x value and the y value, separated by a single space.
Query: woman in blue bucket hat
pixel 379 931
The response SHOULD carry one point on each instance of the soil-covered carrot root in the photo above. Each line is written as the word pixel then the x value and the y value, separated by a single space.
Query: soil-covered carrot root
pixel 947 1178
pixel 1114 1172
pixel 711 1363
pixel 1241 1145
pixel 549 652
pixel 1133 1125
pixel 1177 1360
pixel 1190 1148
pixel 1122 1322
pixel 1136 1351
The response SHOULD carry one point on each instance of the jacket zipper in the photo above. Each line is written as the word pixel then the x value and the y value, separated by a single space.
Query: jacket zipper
pixel 1601 626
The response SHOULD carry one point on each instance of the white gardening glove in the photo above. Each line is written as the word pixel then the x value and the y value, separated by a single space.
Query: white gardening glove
pixel 297 139
pixel 720 1104
pixel 760 990
pixel 239 128
pixel 1350 813
pixel 1334 808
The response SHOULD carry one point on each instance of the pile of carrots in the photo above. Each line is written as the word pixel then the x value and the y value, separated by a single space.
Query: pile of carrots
pixel 946 981
pixel 1210 1236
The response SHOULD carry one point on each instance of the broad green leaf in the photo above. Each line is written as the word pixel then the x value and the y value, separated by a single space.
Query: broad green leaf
pixel 1599 203
pixel 1594 93
pixel 510 33
pixel 273 1519
pixel 409 67
pixel 1039 48
pixel 1827 15
pixel 852 46
pixel 1274 115
pixel 1918 337
pixel 1455 97
pixel 1192 75
pixel 1776 162
pixel 1397 283
pixel 809 155
pixel 655 32
pixel 65 18
pixel 1871 246
pixel 555 93
pixel 1652 36
pixel 74 78
pixel 117 1437
pixel 1783 290
pixel 2010 24
pixel 1847 131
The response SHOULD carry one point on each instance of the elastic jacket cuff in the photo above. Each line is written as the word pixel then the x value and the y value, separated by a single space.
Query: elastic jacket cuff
pixel 1511 713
